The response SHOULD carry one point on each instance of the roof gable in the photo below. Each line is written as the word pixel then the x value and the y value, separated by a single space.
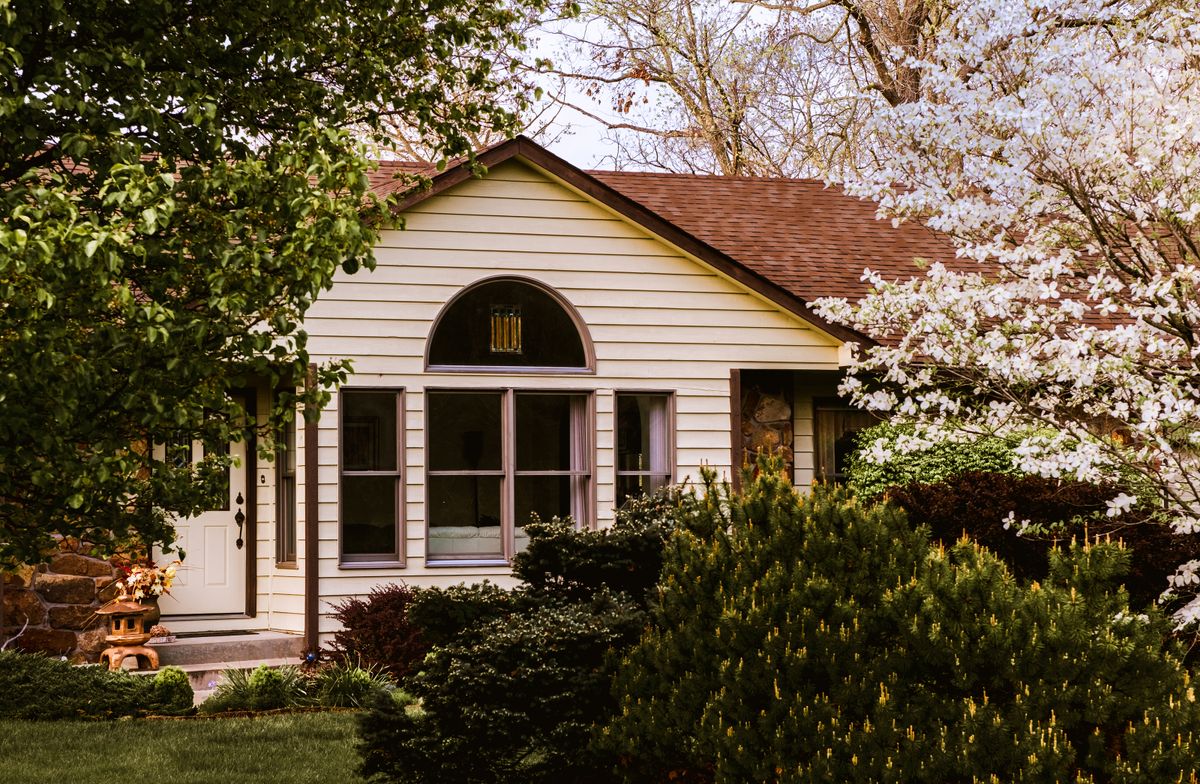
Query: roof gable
pixel 789 241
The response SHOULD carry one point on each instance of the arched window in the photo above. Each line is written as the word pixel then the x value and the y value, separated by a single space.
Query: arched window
pixel 509 324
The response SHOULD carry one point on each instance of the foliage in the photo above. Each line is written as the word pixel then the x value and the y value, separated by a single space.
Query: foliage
pixel 627 556
pixel 882 460
pixel 263 688
pixel 1050 512
pixel 177 185
pixel 512 700
pixel 377 632
pixel 299 748
pixel 1055 144
pixel 761 88
pixel 442 614
pixel 345 685
pixel 38 687
pixel 173 691
pixel 841 646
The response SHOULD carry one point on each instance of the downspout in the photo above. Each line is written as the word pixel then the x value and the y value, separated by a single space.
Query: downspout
pixel 312 594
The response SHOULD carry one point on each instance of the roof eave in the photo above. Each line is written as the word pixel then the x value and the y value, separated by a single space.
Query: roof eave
pixel 531 152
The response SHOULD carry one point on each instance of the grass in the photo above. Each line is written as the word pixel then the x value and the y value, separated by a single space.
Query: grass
pixel 295 748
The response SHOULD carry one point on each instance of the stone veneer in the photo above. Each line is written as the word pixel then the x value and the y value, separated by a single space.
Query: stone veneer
pixel 768 399
pixel 56 604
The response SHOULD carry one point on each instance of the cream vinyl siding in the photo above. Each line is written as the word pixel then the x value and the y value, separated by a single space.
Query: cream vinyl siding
pixel 659 321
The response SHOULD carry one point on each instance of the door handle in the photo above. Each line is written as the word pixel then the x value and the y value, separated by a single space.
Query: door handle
pixel 240 519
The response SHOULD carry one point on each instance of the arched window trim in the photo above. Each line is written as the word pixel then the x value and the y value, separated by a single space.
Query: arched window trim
pixel 585 336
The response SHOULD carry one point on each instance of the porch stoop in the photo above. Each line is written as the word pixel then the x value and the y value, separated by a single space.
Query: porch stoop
pixel 205 658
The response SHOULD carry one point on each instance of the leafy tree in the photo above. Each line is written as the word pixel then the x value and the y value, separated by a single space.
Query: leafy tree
pixel 177 184
pixel 1056 144
pixel 752 87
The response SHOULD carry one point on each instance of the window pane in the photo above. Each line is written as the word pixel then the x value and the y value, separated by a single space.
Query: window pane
pixel 368 515
pixel 464 516
pixel 507 323
pixel 642 433
pixel 544 432
pixel 636 486
pixel 836 430
pixel 545 496
pixel 464 431
pixel 369 431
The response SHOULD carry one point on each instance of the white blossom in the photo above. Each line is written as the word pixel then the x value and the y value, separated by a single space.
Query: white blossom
pixel 1057 146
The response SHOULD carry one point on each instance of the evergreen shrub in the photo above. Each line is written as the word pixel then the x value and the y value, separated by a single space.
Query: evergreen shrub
pixel 513 700
pixel 37 687
pixel 261 689
pixel 627 556
pixel 816 639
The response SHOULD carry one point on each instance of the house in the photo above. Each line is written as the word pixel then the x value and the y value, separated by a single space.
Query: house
pixel 540 340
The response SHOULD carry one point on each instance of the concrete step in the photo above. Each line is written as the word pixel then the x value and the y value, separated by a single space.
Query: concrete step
pixel 220 649
pixel 205 659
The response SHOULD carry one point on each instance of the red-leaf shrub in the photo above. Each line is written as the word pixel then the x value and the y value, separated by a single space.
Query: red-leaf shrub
pixel 376 631
pixel 976 503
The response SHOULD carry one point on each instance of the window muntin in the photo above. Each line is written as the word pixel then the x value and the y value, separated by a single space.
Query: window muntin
pixel 371 421
pixel 507 324
pixel 285 496
pixel 476 508
pixel 645 444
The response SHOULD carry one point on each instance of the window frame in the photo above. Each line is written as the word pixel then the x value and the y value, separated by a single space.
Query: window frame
pixel 585 338
pixel 508 473
pixel 831 405
pixel 286 543
pixel 671 437
pixel 397 558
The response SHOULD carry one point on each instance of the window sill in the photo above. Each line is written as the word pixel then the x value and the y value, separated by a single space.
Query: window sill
pixel 288 565
pixel 466 562
pixel 388 564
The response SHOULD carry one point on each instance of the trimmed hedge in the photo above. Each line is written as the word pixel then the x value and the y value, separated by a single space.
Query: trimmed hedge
pixel 512 700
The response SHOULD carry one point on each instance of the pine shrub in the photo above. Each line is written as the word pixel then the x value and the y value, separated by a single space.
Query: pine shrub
pixel 819 639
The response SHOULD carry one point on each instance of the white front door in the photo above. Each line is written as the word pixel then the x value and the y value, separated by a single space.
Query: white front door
pixel 212 578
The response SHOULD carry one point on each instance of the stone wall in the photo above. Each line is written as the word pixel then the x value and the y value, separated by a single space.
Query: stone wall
pixel 56 604
pixel 768 402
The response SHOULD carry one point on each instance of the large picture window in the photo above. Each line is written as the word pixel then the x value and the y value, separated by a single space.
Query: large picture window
pixel 371 459
pixel 645 444
pixel 497 459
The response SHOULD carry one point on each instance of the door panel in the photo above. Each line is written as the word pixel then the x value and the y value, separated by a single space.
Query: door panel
pixel 212 578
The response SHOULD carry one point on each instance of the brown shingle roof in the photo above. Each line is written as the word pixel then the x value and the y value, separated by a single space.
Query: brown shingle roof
pixel 812 240
pixel 791 241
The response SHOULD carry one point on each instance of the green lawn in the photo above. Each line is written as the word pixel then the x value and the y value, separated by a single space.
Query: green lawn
pixel 293 748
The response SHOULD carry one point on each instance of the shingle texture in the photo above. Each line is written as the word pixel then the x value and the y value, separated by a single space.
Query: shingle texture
pixel 812 240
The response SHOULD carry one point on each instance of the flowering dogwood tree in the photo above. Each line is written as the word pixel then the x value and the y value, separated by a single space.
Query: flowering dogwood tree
pixel 1057 143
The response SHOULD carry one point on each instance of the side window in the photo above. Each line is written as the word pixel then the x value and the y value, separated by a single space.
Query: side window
pixel 835 426
pixel 285 496
pixel 371 424
pixel 645 443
